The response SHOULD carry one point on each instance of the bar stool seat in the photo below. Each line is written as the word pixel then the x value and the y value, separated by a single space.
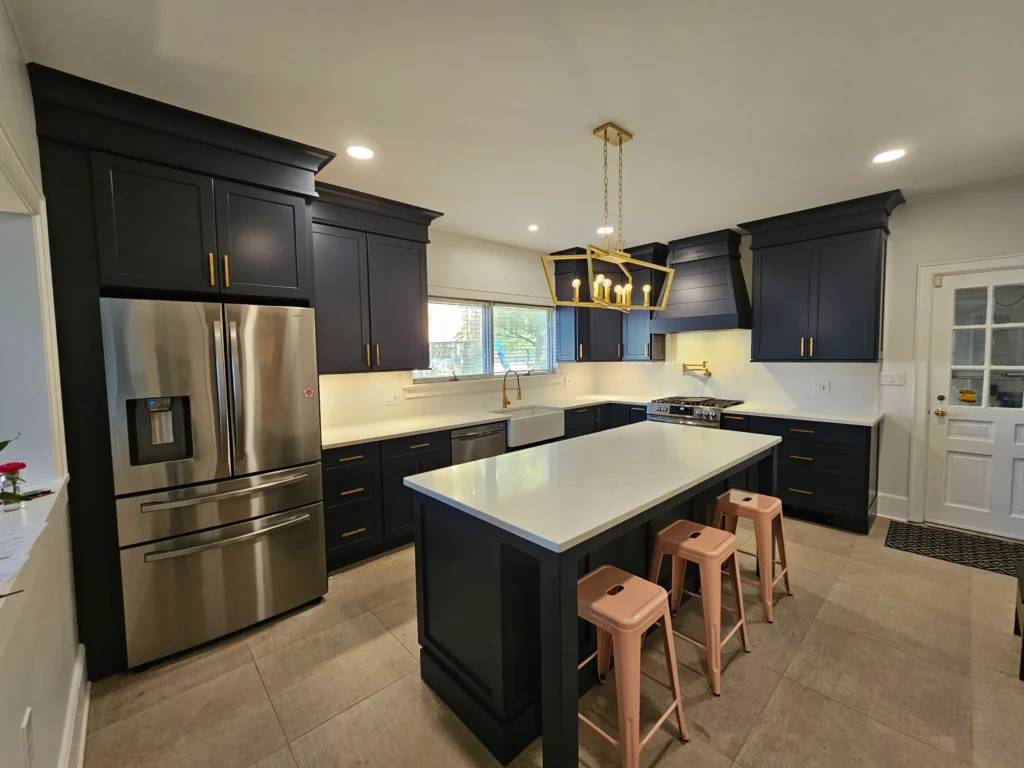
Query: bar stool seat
pixel 622 607
pixel 710 548
pixel 766 514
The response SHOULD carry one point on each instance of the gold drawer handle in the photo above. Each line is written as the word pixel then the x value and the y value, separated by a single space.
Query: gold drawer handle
pixel 798 490
pixel 582 410
pixel 736 418
pixel 801 458
pixel 354 490
pixel 353 533
pixel 350 458
pixel 802 431
pixel 419 445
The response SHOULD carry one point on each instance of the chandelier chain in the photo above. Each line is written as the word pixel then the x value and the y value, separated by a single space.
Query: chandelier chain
pixel 622 239
pixel 605 182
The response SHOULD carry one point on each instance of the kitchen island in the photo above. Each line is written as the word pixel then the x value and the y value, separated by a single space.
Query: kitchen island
pixel 500 543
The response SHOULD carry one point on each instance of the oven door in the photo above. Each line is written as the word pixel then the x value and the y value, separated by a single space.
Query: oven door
pixel 685 422
pixel 184 591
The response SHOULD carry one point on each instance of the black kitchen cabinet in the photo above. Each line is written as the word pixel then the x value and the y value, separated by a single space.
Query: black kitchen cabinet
pixel 745 479
pixel 397 496
pixel 638 343
pixel 610 416
pixel 818 279
pixel 584 334
pixel 605 334
pixel 398 303
pixel 342 300
pixel 572 324
pixel 261 235
pixel 155 226
pixel 579 421
pixel 637 413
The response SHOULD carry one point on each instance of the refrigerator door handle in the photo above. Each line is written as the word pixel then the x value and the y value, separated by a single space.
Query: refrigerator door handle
pixel 167 554
pixel 238 405
pixel 158 506
pixel 222 394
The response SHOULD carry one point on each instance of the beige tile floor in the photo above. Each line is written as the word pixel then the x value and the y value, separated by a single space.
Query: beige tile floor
pixel 881 658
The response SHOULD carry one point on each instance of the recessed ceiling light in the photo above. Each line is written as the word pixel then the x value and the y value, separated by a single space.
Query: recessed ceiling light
pixel 605 230
pixel 532 227
pixel 889 155
pixel 360 153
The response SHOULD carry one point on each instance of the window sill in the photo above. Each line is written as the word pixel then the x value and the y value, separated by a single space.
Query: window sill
pixel 444 388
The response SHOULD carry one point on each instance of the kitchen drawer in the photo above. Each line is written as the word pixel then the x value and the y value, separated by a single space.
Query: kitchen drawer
pixel 637 413
pixel 798 432
pixel 412 445
pixel 349 525
pixel 833 457
pixel 352 455
pixel 734 423
pixel 351 484
pixel 823 492
pixel 579 421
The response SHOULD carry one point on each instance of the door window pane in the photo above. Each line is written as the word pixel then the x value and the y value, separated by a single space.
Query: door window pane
pixel 522 339
pixel 965 387
pixel 1007 346
pixel 969 347
pixel 457 336
pixel 1006 389
pixel 970 306
pixel 1009 304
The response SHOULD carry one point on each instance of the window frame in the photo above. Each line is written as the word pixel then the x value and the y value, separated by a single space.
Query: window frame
pixel 488 340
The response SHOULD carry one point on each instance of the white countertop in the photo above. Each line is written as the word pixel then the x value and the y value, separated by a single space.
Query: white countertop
pixel 855 418
pixel 27 523
pixel 560 494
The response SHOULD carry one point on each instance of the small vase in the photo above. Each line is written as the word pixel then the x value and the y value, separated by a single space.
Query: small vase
pixel 11 484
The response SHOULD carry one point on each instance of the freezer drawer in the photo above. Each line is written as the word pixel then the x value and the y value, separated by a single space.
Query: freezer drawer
pixel 181 592
pixel 193 509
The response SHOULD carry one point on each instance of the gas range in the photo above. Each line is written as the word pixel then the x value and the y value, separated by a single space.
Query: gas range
pixel 690 411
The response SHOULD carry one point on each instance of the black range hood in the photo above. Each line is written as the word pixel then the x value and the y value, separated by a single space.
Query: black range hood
pixel 708 292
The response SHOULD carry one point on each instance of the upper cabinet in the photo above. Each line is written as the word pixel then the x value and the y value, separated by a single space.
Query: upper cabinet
pixel 370 264
pixel 639 344
pixel 585 335
pixel 818 278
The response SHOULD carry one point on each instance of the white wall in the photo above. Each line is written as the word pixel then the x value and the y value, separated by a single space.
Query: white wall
pixel 17 120
pixel 460 267
pixel 960 225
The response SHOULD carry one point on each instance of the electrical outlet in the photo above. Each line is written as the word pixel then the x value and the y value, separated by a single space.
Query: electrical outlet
pixel 821 387
pixel 892 379
pixel 391 400
pixel 26 738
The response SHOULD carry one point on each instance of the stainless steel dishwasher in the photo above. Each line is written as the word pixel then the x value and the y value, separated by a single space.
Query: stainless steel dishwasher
pixel 479 442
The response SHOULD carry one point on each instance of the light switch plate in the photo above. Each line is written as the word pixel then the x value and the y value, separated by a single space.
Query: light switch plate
pixel 893 379
pixel 391 400
pixel 821 387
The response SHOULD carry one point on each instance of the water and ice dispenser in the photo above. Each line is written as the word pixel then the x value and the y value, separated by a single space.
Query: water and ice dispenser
pixel 159 429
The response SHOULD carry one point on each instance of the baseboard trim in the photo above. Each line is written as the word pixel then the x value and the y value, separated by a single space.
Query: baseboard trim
pixel 76 718
pixel 893 507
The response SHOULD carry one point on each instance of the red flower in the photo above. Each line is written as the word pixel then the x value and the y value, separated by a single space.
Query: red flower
pixel 11 467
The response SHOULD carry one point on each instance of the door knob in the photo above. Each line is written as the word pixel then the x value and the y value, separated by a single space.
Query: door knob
pixel 940 411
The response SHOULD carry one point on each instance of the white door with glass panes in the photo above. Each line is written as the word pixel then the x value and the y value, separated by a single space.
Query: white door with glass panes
pixel 976 405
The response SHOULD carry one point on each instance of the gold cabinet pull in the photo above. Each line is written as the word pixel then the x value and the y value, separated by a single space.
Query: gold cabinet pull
pixel 354 490
pixel 800 490
pixel 801 458
pixel 377 348
pixel 619 350
pixel 213 278
pixel 353 533
pixel 582 410
pixel 735 418
pixel 227 271
pixel 812 347
pixel 350 458
pixel 367 355
pixel 419 445
pixel 802 431
pixel 581 350
pixel 801 346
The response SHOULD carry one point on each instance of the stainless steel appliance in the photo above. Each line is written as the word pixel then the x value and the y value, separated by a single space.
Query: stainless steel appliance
pixel 478 442
pixel 690 411
pixel 215 437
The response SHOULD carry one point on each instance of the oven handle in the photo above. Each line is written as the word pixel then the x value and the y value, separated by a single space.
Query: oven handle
pixel 168 554
pixel 159 506
pixel 686 422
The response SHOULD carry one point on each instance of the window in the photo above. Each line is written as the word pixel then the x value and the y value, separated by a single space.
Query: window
pixel 472 339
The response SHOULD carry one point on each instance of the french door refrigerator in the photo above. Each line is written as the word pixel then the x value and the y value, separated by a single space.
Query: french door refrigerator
pixel 215 437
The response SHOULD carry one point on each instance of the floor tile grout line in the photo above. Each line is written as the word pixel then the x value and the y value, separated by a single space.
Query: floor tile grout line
pixel 315 634
pixel 277 716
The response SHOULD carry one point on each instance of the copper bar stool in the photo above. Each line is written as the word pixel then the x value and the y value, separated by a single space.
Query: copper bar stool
pixel 711 548
pixel 766 514
pixel 622 607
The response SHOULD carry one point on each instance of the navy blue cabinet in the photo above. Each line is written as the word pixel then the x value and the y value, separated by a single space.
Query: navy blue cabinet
pixel 782 280
pixel 584 335
pixel 398 303
pixel 579 421
pixel 637 413
pixel 342 300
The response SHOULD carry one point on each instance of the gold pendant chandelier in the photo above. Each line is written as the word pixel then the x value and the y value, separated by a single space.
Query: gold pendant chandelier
pixel 604 292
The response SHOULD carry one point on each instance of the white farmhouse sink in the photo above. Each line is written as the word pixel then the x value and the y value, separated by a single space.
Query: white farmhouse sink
pixel 532 424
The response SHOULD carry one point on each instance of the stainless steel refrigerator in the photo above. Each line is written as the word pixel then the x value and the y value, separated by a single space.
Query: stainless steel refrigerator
pixel 215 437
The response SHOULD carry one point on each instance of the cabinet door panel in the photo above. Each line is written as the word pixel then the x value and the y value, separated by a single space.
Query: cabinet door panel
pixel 579 421
pixel 637 413
pixel 605 334
pixel 398 497
pixel 263 236
pixel 342 291
pixel 156 226
pixel 398 304
pixel 781 301
pixel 846 276
pixel 573 325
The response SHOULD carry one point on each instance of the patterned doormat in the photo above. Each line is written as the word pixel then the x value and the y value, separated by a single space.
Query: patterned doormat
pixel 956 547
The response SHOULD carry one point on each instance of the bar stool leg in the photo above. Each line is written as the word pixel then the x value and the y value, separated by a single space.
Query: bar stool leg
pixel 673 673
pixel 604 655
pixel 716 518
pixel 780 538
pixel 678 580
pixel 711 590
pixel 627 690
pixel 656 559
pixel 763 535
pixel 737 590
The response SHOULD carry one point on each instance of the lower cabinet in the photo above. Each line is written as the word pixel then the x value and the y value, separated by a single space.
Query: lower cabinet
pixel 610 416
pixel 397 496
pixel 637 413
pixel 579 421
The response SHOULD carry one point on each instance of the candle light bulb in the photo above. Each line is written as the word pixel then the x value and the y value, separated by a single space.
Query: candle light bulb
pixel 576 289
pixel 647 295
pixel 576 283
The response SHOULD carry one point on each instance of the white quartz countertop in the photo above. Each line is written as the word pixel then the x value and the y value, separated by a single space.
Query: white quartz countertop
pixel 339 437
pixel 856 418
pixel 560 494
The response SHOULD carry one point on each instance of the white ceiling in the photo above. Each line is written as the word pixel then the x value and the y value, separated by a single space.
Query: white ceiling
pixel 483 110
